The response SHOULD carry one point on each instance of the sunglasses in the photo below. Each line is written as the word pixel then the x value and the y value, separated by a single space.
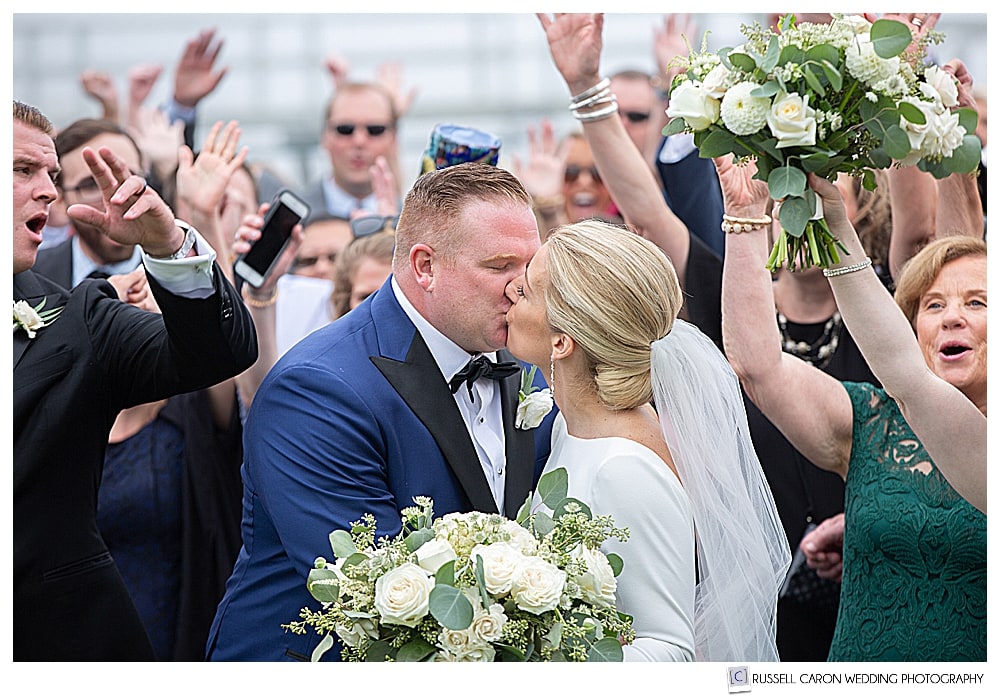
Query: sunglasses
pixel 370 224
pixel 636 116
pixel 346 129
pixel 573 173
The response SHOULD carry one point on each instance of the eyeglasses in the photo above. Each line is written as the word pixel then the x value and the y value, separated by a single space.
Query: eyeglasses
pixel 370 224
pixel 347 129
pixel 89 189
pixel 573 173
pixel 306 262
pixel 636 116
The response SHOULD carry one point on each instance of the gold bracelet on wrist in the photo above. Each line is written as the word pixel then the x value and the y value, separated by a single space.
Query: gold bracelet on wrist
pixel 731 223
pixel 260 303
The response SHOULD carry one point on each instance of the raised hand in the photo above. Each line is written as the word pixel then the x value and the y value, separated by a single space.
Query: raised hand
pixel 249 232
pixel 141 79
pixel 742 195
pixel 101 86
pixel 158 139
pixel 195 78
pixel 390 76
pixel 338 67
pixel 202 182
pixel 133 213
pixel 542 175
pixel 384 187
pixel 669 42
pixel 575 43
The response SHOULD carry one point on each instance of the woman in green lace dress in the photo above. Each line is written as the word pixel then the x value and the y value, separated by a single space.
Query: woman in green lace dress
pixel 914 559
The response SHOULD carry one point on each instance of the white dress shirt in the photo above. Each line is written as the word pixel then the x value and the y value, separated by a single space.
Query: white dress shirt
pixel 482 415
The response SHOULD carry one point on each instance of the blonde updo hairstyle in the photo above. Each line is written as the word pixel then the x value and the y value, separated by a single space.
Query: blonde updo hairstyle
pixel 614 293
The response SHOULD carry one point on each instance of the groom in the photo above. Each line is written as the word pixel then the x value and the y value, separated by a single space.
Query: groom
pixel 375 408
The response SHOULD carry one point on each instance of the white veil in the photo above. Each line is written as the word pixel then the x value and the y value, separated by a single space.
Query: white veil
pixel 742 550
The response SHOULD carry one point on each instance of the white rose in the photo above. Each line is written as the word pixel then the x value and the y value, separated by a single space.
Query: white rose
pixel 944 135
pixel 434 554
pixel 857 23
pixel 598 584
pixel 917 132
pixel 483 653
pixel 718 80
pixel 501 562
pixel 363 627
pixel 402 595
pixel 454 641
pixel 942 84
pixel 792 121
pixel 691 102
pixel 520 538
pixel 538 586
pixel 26 316
pixel 487 626
pixel 533 408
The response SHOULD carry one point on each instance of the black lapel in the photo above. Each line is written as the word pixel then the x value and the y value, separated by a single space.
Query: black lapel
pixel 520 444
pixel 27 288
pixel 419 382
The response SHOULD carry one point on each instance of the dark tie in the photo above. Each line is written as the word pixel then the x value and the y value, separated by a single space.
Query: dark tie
pixel 481 367
pixel 99 274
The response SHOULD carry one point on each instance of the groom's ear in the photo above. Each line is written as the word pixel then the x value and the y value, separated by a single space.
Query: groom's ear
pixel 421 264
pixel 562 346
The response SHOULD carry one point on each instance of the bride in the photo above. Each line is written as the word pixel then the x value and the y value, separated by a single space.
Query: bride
pixel 597 309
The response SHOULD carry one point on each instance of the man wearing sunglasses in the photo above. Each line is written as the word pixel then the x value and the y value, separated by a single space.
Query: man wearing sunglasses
pixel 359 126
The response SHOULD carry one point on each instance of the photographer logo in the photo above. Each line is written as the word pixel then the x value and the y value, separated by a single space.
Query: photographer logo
pixel 739 678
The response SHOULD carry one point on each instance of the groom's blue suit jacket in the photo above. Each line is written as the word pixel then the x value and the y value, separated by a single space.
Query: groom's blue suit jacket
pixel 356 418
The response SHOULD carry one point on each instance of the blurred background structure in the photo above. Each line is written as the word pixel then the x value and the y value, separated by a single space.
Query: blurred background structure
pixel 488 71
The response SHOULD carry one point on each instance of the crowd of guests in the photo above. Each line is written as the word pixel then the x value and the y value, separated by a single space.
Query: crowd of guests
pixel 230 428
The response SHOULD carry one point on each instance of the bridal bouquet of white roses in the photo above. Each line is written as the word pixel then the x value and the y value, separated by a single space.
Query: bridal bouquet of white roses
pixel 846 96
pixel 473 586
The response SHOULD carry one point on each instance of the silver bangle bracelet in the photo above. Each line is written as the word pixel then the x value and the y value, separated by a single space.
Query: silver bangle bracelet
pixel 830 273
pixel 598 114
pixel 602 85
pixel 598 98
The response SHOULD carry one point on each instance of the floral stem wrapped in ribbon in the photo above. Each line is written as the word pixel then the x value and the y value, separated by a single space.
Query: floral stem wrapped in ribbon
pixel 474 586
pixel 850 96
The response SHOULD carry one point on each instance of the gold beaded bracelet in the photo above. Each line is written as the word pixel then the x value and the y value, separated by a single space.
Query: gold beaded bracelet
pixel 731 223
pixel 260 303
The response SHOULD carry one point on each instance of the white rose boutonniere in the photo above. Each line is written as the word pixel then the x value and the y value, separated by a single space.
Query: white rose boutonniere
pixel 532 403
pixel 31 319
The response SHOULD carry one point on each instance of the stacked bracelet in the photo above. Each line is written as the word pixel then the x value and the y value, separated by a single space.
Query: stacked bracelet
pixel 731 223
pixel 830 273
pixel 260 303
pixel 598 95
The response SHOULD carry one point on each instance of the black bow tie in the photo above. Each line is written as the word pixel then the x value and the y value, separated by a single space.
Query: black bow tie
pixel 482 367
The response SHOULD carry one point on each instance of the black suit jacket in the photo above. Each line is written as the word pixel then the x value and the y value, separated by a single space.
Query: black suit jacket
pixel 56 263
pixel 99 356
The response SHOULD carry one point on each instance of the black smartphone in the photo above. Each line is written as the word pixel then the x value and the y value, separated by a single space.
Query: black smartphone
pixel 286 211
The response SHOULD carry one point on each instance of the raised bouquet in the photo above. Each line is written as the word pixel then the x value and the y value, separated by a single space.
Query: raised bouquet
pixel 473 586
pixel 849 96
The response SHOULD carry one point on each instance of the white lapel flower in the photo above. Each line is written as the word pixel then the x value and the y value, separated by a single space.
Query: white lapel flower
pixel 31 319
pixel 532 403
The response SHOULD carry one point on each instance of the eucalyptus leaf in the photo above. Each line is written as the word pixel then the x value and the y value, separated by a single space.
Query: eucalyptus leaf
pixel 814 162
pixel 795 213
pixel 552 487
pixel 378 651
pixel 505 650
pixel 823 53
pixel 768 89
pixel 889 37
pixel 616 562
pixel 966 157
pixel 543 523
pixel 480 573
pixel 786 181
pixel 607 650
pixel 325 645
pixel 342 544
pixel 674 126
pixel 318 584
pixel 717 143
pixel 524 512
pixel 880 159
pixel 743 62
pixel 416 539
pixel 415 650
pixel 896 143
pixel 791 54
pixel 354 560
pixel 911 113
pixel 771 55
pixel 450 607
pixel 809 73
pixel 833 75
pixel 967 119
pixel 445 575
pixel 937 169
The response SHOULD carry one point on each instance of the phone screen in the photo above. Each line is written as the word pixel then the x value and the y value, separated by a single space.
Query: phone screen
pixel 273 236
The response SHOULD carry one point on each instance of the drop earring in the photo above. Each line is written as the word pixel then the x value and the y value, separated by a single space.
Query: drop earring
pixel 552 375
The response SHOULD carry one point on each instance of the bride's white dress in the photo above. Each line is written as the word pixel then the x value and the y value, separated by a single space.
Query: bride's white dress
pixel 628 481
